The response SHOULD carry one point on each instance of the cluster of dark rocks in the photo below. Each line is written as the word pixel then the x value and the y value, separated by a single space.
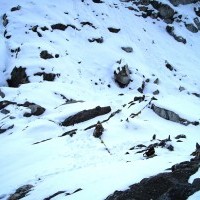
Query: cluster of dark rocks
pixel 171 185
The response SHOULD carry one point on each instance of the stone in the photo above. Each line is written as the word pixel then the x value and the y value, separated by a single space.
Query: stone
pixel 181 88
pixel 114 30
pixel 59 26
pixel 45 55
pixel 21 192
pixel 197 11
pixel 5 20
pixel 18 77
pixel 15 8
pixel 166 12
pixel 150 152
pixel 86 115
pixel 98 131
pixel 47 76
pixel 197 22
pixel 127 49
pixel 97 1
pixel 2 95
pixel 191 27
pixel 180 136
pixel 156 92
pixel 169 115
pixel 36 110
pixel 98 40
pixel 122 77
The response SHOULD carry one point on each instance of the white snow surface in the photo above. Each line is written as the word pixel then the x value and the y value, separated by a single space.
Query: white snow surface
pixel 86 75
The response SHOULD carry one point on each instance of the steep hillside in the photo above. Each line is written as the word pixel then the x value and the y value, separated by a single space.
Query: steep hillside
pixel 65 65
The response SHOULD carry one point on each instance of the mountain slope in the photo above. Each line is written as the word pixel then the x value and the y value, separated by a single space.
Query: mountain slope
pixel 62 56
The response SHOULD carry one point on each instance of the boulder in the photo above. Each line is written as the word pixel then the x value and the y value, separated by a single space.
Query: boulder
pixel 127 49
pixel 122 77
pixel 18 77
pixel 114 30
pixel 191 27
pixel 45 55
pixel 166 12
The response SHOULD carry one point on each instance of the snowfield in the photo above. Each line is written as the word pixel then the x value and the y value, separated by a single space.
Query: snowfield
pixel 81 165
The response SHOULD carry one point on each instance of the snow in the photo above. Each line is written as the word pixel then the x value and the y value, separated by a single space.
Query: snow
pixel 86 69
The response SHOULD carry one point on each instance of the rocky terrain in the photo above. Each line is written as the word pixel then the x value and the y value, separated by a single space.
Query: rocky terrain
pixel 100 99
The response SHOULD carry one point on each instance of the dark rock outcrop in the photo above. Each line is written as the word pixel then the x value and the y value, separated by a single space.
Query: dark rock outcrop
pixel 164 186
pixel 171 116
pixel 86 115
pixel 21 192
pixel 5 20
pixel 97 1
pixel 62 27
pixel 166 12
pixel 18 77
pixel 183 2
pixel 122 77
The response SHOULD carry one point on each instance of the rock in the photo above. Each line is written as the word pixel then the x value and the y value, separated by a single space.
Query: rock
pixel 5 20
pixel 191 27
pixel 21 192
pixel 59 26
pixel 196 153
pixel 149 153
pixel 98 40
pixel 2 95
pixel 18 77
pixel 97 1
pixel 127 49
pixel 156 81
pixel 98 130
pixel 88 24
pixel 180 136
pixel 86 115
pixel 122 77
pixel 196 94
pixel 164 186
pixel 144 2
pixel 166 12
pixel 2 130
pixel 169 66
pixel 183 2
pixel 197 11
pixel 45 55
pixel 47 76
pixel 170 30
pixel 181 88
pixel 15 8
pixel 197 22
pixel 44 28
pixel 36 110
pixel 169 115
pixel 156 92
pixel 114 30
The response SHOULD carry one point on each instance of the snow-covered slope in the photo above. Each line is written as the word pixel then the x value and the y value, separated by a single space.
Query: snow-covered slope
pixel 84 79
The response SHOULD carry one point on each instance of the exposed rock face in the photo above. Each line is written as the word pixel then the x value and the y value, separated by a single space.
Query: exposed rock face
pixel 86 115
pixel 122 77
pixel 171 116
pixel 18 77
pixel 184 2
pixel 165 186
pixel 98 40
pixel 21 192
